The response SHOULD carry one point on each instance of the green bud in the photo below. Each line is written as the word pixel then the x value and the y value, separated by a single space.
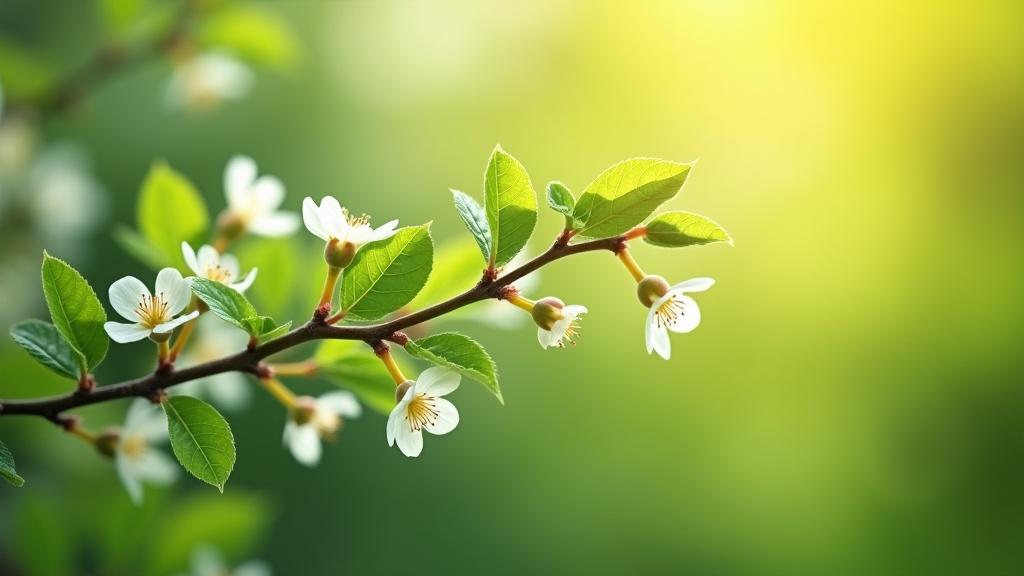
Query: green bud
pixel 650 288
pixel 547 311
pixel 305 409
pixel 106 444
pixel 339 256
pixel 230 226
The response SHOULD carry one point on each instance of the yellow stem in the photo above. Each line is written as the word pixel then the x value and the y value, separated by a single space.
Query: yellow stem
pixel 82 433
pixel 332 281
pixel 631 265
pixel 163 351
pixel 305 368
pixel 392 366
pixel 524 303
pixel 183 336
pixel 281 392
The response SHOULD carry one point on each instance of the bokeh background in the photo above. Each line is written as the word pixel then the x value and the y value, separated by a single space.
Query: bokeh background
pixel 852 403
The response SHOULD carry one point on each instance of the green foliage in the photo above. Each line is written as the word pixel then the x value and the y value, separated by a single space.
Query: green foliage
pixel 232 307
pixel 170 212
pixel 44 546
pixel 475 219
pixel 7 467
pixel 270 329
pixel 352 365
pixel 456 268
pixel 138 247
pixel 511 206
pixel 201 439
pixel 460 353
pixel 75 310
pixel 678 229
pixel 274 292
pixel 120 14
pixel 625 194
pixel 43 342
pixel 255 35
pixel 24 74
pixel 387 274
pixel 560 200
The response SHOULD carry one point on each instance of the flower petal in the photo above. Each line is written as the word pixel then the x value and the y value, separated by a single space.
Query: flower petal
pixel 156 467
pixel 169 326
pixel 689 315
pixel 275 225
pixel 694 285
pixel 410 441
pixel 660 342
pixel 131 483
pixel 573 310
pixel 311 218
pixel 305 445
pixel 268 193
pixel 252 568
pixel 207 258
pixel 437 381
pixel 125 295
pixel 385 231
pixel 125 333
pixel 332 217
pixel 341 403
pixel 190 259
pixel 140 418
pixel 545 337
pixel 229 390
pixel 394 419
pixel 447 418
pixel 229 264
pixel 246 282
pixel 238 177
pixel 174 289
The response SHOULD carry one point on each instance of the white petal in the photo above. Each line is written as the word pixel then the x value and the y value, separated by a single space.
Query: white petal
pixel 341 403
pixel 385 231
pixel 125 295
pixel 246 282
pixel 357 235
pixel 437 381
pixel 229 390
pixel 410 441
pixel 238 176
pixel 447 418
pixel 275 225
pixel 206 561
pixel 125 333
pixel 689 317
pixel 545 337
pixel 649 331
pixel 660 342
pixel 694 285
pixel 207 258
pixel 169 326
pixel 127 474
pixel 333 219
pixel 305 445
pixel 229 264
pixel 190 259
pixel 252 568
pixel 268 193
pixel 573 310
pixel 311 218
pixel 156 467
pixel 174 289
pixel 140 418
pixel 394 419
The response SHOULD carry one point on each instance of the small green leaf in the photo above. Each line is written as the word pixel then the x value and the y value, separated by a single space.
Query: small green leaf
pixel 138 247
pixel 201 439
pixel 256 35
pixel 511 206
pixel 560 200
pixel 625 194
pixel 475 219
pixel 268 329
pixel 170 212
pixel 43 342
pixel 387 274
pixel 678 229
pixel 7 467
pixel 76 311
pixel 353 366
pixel 228 304
pixel 460 353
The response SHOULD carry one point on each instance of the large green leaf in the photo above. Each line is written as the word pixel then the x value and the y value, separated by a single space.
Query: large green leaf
pixel 7 467
pixel 387 274
pixel 256 35
pixel 352 365
pixel 625 194
pixel 460 353
pixel 201 439
pixel 76 311
pixel 170 212
pixel 511 206
pixel 43 342
pixel 228 304
pixel 475 219
pixel 678 229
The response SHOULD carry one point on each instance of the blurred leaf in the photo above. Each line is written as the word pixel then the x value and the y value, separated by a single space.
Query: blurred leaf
pixel 25 75
pixel 352 365
pixel 387 274
pixel 473 216
pixel 201 439
pixel 279 260
pixel 75 310
pixel 255 35
pixel 170 212
pixel 511 206
pixel 460 353
pixel 625 194
pixel 138 247
pixel 456 268
pixel 228 304
pixel 119 14
pixel 7 467
pixel 678 229
pixel 232 522
pixel 43 545
pixel 560 200
pixel 43 342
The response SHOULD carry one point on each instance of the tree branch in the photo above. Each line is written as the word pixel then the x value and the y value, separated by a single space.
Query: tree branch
pixel 52 408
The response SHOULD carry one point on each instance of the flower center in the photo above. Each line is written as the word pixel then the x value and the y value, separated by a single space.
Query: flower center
pixel 218 273
pixel 421 411
pixel 356 221
pixel 670 311
pixel 133 447
pixel 572 333
pixel 152 310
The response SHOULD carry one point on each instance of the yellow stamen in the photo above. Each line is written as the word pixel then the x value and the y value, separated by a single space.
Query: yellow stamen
pixel 152 310
pixel 422 411
pixel 670 311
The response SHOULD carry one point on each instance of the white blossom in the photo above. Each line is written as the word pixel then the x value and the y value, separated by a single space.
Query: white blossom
pixel 149 313
pixel 423 408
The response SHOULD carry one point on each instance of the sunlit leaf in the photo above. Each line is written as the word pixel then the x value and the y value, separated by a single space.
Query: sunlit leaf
pixel 353 366
pixel 473 216
pixel 139 248
pixel 256 35
pixel 627 193
pixel 560 200
pixel 170 212
pixel 511 206
pixel 44 342
pixel 201 439
pixel 387 274
pixel 460 353
pixel 76 311
pixel 678 229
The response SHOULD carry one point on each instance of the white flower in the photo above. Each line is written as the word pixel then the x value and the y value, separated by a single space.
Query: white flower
pixel 215 339
pixel 150 314
pixel 253 202
pixel 423 408
pixel 332 223
pixel 134 456
pixel 215 266
pixel 563 329
pixel 316 419
pixel 206 561
pixel 205 81
pixel 673 311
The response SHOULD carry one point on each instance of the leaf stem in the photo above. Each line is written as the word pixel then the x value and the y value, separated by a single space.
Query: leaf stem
pixel 304 368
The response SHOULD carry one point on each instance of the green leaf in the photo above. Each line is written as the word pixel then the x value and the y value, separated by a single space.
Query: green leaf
pixel 228 304
pixel 170 212
pixel 475 219
pixel 511 206
pixel 7 467
pixel 25 74
pixel 43 342
pixel 460 353
pixel 268 329
pixel 625 194
pixel 352 365
pixel 560 200
pixel 138 247
pixel 387 274
pixel 677 229
pixel 256 35
pixel 201 439
pixel 75 310
pixel 456 268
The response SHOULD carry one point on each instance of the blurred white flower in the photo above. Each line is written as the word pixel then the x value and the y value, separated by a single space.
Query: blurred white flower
pixel 314 419
pixel 59 178
pixel 674 311
pixel 149 313
pixel 206 561
pixel 423 408
pixel 253 201
pixel 213 265
pixel 205 81
pixel 134 456
pixel 213 340
pixel 332 223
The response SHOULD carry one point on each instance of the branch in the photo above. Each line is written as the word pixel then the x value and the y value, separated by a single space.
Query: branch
pixel 248 361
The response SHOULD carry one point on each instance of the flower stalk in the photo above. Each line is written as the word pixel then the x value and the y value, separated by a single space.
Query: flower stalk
pixel 631 264
pixel 279 391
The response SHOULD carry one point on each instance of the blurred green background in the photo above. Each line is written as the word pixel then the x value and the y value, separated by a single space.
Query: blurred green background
pixel 852 403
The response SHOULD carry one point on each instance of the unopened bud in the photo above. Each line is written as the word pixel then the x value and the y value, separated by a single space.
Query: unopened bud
pixel 230 226
pixel 304 411
pixel 650 288
pixel 339 254
pixel 547 311
pixel 402 389
pixel 106 443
